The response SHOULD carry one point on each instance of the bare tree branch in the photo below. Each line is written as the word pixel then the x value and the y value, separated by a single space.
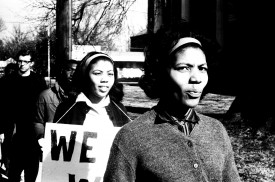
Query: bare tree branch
pixel 93 21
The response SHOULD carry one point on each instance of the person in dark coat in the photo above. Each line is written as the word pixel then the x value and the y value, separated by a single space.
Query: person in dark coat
pixel 22 89
pixel 6 126
pixel 96 104
pixel 98 94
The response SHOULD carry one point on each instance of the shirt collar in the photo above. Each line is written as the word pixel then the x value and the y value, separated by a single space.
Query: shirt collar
pixel 103 103
pixel 59 92
pixel 190 116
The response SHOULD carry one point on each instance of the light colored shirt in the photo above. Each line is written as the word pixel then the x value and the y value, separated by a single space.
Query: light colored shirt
pixel 97 117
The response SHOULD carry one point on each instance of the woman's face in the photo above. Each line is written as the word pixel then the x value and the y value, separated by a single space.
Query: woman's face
pixel 188 75
pixel 102 78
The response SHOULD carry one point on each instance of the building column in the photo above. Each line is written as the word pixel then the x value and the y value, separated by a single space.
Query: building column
pixel 220 22
pixel 185 10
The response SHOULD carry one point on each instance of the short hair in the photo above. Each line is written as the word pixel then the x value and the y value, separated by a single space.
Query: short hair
pixel 24 52
pixel 64 66
pixel 71 61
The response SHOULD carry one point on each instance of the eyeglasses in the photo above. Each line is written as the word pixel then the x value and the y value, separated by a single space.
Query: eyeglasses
pixel 25 62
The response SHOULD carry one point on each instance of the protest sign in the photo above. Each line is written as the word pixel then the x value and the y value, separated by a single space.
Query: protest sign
pixel 73 153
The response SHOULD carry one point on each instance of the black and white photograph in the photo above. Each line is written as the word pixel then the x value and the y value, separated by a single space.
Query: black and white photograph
pixel 137 91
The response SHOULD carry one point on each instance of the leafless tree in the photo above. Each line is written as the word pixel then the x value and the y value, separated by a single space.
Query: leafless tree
pixel 18 35
pixel 18 40
pixel 94 22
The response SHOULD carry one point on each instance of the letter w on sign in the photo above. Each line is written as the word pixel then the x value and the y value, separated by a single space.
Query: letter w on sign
pixel 56 149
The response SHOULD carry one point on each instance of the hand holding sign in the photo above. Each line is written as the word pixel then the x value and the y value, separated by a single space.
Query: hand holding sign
pixel 41 142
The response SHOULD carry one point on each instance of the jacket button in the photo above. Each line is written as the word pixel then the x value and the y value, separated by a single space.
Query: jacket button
pixel 196 165
pixel 190 144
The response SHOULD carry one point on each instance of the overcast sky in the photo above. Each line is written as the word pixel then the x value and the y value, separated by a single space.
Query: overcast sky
pixel 13 12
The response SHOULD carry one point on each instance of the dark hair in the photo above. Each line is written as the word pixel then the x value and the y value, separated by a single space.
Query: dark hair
pixel 24 52
pixel 80 76
pixel 59 75
pixel 71 61
pixel 157 55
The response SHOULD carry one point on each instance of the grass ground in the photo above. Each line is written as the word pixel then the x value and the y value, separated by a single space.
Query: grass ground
pixel 254 154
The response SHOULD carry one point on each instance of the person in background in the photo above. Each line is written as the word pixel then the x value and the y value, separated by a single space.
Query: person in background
pixel 173 142
pixel 99 95
pixel 6 126
pixel 50 98
pixel 22 89
pixel 97 105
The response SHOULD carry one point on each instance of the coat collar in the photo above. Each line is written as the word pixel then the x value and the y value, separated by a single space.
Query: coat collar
pixel 60 93
pixel 83 98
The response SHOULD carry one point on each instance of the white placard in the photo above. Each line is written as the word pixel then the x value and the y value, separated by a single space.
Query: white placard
pixel 73 153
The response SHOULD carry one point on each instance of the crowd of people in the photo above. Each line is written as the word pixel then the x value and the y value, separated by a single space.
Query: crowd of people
pixel 171 142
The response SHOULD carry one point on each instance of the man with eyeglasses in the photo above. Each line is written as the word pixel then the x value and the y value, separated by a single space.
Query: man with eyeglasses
pixel 22 90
